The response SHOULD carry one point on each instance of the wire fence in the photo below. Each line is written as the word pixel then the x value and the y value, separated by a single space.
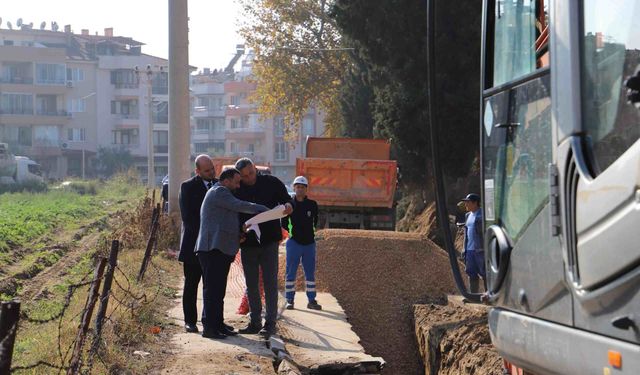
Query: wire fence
pixel 79 356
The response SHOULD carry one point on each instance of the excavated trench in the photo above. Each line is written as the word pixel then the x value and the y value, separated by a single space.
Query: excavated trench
pixel 378 278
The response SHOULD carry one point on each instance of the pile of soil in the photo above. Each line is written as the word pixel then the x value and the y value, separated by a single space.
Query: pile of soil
pixel 377 277
pixel 454 339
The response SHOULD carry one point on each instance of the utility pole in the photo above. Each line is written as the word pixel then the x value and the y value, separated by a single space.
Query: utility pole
pixel 150 165
pixel 179 129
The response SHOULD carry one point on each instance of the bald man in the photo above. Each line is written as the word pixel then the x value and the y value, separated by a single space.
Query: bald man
pixel 192 192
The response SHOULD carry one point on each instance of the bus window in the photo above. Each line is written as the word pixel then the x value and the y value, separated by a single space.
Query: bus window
pixel 610 55
pixel 520 38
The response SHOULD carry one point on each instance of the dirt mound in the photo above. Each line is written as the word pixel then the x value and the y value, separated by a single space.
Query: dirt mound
pixel 454 339
pixel 377 277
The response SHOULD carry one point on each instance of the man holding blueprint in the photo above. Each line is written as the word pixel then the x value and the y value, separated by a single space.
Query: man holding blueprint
pixel 262 252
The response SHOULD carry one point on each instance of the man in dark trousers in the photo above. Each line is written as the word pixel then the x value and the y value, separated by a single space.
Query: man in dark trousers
pixel 217 246
pixel 192 192
pixel 301 245
pixel 271 192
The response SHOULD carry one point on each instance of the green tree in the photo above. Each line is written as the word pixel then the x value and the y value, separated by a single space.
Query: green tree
pixel 356 96
pixel 390 37
pixel 299 59
pixel 113 160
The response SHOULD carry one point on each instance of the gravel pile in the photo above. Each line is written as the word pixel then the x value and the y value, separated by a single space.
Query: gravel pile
pixel 377 277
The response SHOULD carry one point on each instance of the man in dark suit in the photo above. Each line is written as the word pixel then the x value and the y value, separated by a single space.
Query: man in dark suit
pixel 192 192
pixel 217 246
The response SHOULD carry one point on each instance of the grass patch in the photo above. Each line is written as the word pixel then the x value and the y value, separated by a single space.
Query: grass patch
pixel 25 216
pixel 129 327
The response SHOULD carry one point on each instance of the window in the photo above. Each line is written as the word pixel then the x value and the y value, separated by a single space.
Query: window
pixel 124 79
pixel 77 105
pixel 234 100
pixel 76 134
pixel 234 123
pixel 211 148
pixel 75 74
pixel 161 113
pixel 202 126
pixel 308 127
pixel 16 104
pixel 203 101
pixel 233 147
pixel 47 136
pixel 51 74
pixel 609 56
pixel 16 135
pixel 517 153
pixel 160 83
pixel 280 151
pixel 520 38
pixel 127 137
pixel 160 141
pixel 278 127
pixel 217 126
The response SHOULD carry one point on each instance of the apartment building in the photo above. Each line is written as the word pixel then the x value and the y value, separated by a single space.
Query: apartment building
pixel 227 123
pixel 63 96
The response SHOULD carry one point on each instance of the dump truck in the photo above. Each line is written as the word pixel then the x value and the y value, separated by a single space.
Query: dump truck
pixel 353 180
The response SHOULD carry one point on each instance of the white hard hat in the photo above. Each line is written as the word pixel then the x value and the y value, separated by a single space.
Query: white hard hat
pixel 300 180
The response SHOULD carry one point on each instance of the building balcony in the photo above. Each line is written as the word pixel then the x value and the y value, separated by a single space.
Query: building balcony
pixel 203 112
pixel 17 80
pixel 55 112
pixel 204 135
pixel 240 110
pixel 127 89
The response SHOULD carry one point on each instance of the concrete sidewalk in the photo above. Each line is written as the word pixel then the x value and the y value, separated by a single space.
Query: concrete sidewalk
pixel 313 339
pixel 323 339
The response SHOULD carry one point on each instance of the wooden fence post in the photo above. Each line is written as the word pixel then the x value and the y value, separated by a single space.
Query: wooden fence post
pixel 106 287
pixel 9 316
pixel 92 298
pixel 150 243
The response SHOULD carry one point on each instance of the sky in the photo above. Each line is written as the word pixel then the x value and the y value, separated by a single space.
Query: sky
pixel 212 24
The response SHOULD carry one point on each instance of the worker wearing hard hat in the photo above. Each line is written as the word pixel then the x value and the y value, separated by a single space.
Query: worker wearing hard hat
pixel 301 246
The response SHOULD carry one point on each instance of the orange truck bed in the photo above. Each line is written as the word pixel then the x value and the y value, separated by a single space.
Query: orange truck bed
pixel 349 182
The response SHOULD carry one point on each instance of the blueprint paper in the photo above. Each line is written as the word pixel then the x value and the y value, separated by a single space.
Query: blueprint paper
pixel 273 214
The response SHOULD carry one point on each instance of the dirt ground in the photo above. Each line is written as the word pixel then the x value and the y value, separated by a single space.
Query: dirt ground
pixel 377 277
pixel 454 340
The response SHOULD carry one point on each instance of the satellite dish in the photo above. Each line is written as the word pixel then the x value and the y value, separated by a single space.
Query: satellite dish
pixel 9 25
pixel 43 25
pixel 0 21
pixel 19 22
pixel 54 26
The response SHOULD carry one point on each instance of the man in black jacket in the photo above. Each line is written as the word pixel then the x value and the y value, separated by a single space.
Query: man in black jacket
pixel 271 192
pixel 192 192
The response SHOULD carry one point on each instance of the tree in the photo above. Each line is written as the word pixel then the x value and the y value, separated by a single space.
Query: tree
pixel 356 96
pixel 113 160
pixel 390 37
pixel 299 59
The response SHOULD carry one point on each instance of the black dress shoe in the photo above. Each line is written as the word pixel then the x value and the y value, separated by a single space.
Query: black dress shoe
pixel 228 327
pixel 226 332
pixel 251 329
pixel 191 328
pixel 214 335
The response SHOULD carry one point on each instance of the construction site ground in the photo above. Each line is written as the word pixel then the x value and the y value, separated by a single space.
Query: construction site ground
pixel 384 295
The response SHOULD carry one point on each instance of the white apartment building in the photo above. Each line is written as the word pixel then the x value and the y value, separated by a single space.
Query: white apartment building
pixel 227 123
pixel 65 95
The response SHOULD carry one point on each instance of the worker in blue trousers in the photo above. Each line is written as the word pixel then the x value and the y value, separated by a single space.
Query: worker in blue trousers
pixel 301 245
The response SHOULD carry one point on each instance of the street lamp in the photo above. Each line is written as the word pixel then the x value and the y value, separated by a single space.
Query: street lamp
pixel 150 151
